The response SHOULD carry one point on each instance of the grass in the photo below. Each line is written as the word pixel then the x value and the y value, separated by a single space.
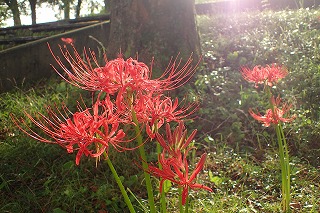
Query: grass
pixel 245 184
pixel 242 170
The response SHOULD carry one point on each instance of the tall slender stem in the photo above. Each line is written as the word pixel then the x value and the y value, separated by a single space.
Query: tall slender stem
pixel 144 163
pixel 180 200
pixel 186 210
pixel 162 195
pixel 285 168
pixel 284 159
pixel 122 189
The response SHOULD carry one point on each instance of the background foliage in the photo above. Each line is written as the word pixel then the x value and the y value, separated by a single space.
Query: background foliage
pixel 290 38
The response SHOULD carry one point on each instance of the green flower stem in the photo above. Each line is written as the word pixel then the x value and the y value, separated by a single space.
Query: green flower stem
pixel 284 160
pixel 183 209
pixel 144 163
pixel 287 163
pixel 162 196
pixel 285 168
pixel 180 200
pixel 122 189
pixel 186 210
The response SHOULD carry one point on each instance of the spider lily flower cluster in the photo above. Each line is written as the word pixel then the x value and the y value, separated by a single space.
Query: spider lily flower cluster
pixel 90 131
pixel 128 84
pixel 173 163
pixel 127 96
pixel 268 76
pixel 275 114
pixel 119 74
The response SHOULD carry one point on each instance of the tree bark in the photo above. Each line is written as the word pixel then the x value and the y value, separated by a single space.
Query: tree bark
pixel 13 5
pixel 159 28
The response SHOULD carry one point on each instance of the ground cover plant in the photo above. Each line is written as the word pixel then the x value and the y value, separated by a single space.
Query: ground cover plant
pixel 242 160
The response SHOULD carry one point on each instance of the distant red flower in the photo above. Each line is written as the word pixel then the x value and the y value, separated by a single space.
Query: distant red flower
pixel 274 115
pixel 264 75
pixel 177 171
pixel 68 40
pixel 89 133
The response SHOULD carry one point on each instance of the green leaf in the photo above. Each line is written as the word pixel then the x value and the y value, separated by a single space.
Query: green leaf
pixel 309 121
pixel 68 165
pixel 166 186
pixel 215 179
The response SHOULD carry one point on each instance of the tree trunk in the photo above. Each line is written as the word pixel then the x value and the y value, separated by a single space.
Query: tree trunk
pixel 159 28
pixel 66 9
pixel 13 5
pixel 78 8
pixel 33 11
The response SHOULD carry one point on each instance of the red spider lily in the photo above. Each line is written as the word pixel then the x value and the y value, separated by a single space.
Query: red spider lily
pixel 274 115
pixel 176 140
pixel 155 110
pixel 177 171
pixel 89 133
pixel 264 75
pixel 120 73
pixel 116 74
